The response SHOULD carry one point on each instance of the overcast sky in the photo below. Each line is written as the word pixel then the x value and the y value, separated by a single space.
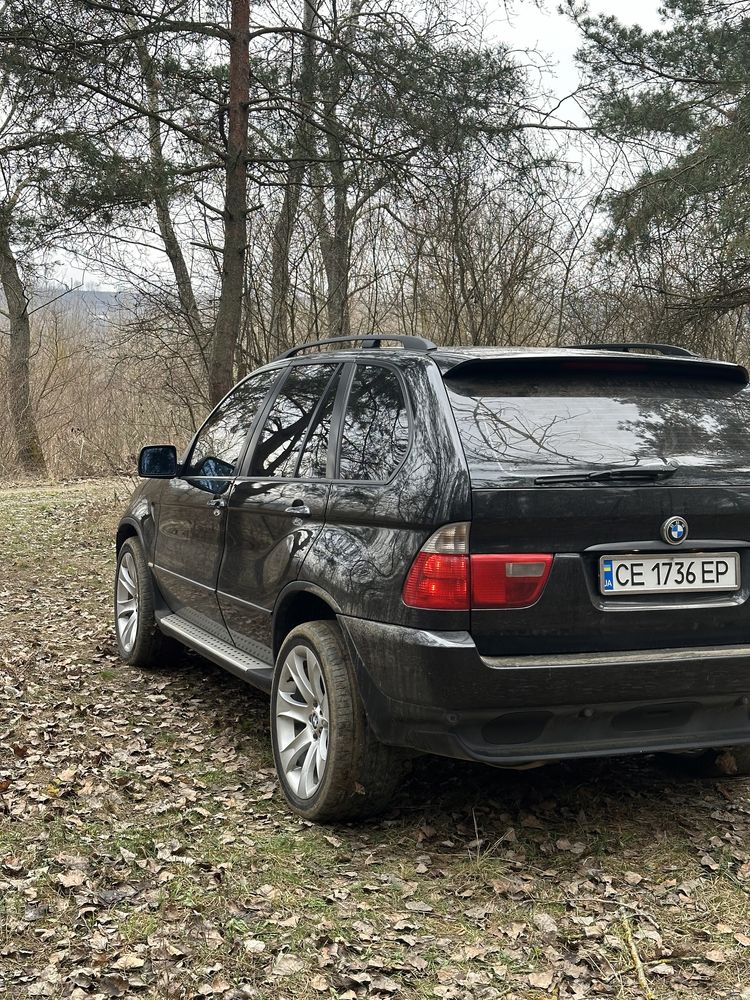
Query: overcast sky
pixel 554 34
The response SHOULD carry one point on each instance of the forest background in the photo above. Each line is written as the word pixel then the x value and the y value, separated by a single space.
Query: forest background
pixel 237 179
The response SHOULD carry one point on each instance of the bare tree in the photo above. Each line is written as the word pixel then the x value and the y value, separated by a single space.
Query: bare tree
pixel 30 455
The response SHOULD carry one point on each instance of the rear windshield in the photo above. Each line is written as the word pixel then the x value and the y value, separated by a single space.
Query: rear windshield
pixel 516 428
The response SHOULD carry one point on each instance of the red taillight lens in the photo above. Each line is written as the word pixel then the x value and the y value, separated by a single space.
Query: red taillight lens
pixel 438 581
pixel 444 577
pixel 508 581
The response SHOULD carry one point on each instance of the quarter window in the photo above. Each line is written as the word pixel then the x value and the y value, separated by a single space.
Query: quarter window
pixel 375 436
pixel 219 444
pixel 283 435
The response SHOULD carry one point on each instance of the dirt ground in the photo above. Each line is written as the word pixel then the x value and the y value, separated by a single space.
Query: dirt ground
pixel 145 849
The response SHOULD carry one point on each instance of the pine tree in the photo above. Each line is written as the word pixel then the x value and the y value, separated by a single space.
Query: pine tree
pixel 679 100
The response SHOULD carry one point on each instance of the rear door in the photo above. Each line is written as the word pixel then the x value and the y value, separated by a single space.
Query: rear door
pixel 278 505
pixel 192 508
pixel 546 444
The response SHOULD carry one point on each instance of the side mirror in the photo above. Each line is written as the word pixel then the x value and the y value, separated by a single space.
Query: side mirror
pixel 158 461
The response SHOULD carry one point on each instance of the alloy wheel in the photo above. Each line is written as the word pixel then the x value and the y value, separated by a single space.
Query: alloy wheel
pixel 302 719
pixel 126 602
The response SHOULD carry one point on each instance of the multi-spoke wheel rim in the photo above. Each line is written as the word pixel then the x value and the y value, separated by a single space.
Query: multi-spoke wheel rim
pixel 126 602
pixel 302 720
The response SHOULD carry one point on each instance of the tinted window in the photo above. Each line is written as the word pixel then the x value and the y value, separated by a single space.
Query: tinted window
pixel 523 427
pixel 314 458
pixel 283 434
pixel 219 444
pixel 376 426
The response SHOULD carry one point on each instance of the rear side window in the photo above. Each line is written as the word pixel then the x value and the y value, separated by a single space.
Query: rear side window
pixel 520 427
pixel 283 434
pixel 314 458
pixel 375 434
pixel 220 441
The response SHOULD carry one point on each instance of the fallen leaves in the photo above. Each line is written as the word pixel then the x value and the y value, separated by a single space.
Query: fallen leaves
pixel 145 851
pixel 287 965
pixel 71 880
pixel 129 961
pixel 541 980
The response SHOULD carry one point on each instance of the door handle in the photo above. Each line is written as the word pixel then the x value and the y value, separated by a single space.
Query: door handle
pixel 219 504
pixel 298 509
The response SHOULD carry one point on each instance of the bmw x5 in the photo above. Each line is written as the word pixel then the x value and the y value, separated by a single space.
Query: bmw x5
pixel 507 556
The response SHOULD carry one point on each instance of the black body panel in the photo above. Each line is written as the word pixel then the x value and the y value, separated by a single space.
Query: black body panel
pixel 188 552
pixel 266 543
pixel 432 691
pixel 579 525
pixel 373 530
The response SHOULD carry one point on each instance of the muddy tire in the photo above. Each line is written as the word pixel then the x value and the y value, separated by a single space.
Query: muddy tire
pixel 329 763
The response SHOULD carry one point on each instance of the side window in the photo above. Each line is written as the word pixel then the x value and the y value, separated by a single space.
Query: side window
pixel 219 444
pixel 283 433
pixel 376 426
pixel 314 457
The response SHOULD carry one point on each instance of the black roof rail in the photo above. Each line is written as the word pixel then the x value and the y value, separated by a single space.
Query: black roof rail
pixel 371 340
pixel 668 349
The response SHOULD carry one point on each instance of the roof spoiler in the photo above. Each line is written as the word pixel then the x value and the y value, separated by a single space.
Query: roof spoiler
pixel 573 361
pixel 639 347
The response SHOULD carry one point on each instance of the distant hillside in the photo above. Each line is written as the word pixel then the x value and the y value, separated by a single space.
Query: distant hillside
pixel 104 304
pixel 98 304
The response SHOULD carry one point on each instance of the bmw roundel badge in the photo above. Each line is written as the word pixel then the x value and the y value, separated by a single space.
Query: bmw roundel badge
pixel 674 530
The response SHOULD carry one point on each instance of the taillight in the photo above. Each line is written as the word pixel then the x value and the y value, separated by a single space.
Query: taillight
pixel 508 581
pixel 439 576
pixel 444 577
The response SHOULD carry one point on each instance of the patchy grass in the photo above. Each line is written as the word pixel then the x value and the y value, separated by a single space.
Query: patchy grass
pixel 145 850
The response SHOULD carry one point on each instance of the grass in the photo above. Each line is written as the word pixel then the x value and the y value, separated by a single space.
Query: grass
pixel 144 841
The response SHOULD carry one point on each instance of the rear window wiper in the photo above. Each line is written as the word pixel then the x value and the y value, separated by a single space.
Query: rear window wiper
pixel 649 473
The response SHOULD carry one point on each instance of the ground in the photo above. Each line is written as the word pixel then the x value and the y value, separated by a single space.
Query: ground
pixel 146 851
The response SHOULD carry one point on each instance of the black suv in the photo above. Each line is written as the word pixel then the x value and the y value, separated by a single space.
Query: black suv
pixel 507 556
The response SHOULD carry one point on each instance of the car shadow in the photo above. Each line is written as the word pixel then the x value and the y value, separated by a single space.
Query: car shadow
pixel 574 797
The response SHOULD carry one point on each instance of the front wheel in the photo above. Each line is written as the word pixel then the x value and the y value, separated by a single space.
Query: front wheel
pixel 329 763
pixel 139 641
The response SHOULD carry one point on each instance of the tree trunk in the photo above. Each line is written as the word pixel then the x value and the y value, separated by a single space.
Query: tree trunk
pixel 336 241
pixel 30 455
pixel 339 244
pixel 229 314
pixel 302 149
pixel 160 194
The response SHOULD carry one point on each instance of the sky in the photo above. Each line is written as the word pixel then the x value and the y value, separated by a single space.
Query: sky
pixel 555 36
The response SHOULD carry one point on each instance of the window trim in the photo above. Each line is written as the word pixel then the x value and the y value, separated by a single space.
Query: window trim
pixel 336 478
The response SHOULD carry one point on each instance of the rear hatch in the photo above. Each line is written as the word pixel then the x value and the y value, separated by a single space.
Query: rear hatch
pixel 634 474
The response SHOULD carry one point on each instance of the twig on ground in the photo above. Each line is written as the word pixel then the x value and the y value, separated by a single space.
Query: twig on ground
pixel 637 963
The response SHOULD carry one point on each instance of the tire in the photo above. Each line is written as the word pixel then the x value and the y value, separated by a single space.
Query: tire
pixel 140 644
pixel 338 770
pixel 728 762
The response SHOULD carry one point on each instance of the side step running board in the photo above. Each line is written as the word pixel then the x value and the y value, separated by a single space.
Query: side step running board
pixel 248 668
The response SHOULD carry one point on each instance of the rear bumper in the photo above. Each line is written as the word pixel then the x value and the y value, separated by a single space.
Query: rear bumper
pixel 432 691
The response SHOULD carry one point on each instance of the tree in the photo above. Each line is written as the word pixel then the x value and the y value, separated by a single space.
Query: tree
pixel 679 98
pixel 109 56
pixel 29 447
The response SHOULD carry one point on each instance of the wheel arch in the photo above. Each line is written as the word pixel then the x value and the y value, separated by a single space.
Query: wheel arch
pixel 126 529
pixel 298 603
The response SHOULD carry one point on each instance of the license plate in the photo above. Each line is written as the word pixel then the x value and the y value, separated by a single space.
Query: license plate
pixel 668 574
